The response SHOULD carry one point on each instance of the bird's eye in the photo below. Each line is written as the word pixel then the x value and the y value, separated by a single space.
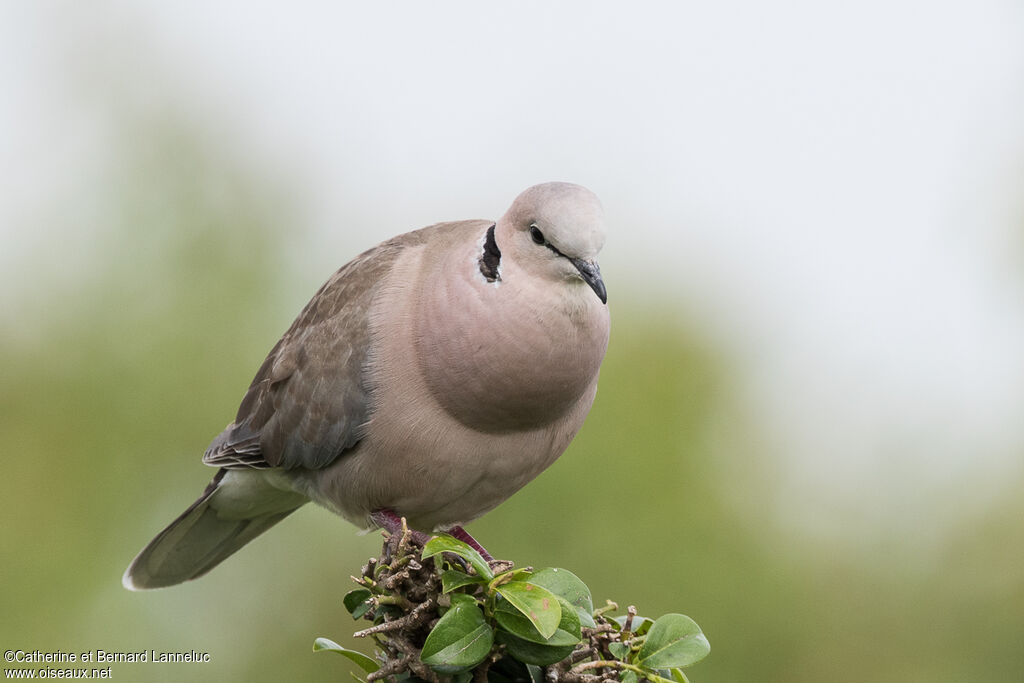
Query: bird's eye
pixel 536 235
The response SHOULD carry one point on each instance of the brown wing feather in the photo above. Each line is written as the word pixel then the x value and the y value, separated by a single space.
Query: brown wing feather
pixel 308 401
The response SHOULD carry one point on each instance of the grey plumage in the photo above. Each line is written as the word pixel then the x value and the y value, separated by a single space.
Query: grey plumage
pixel 432 376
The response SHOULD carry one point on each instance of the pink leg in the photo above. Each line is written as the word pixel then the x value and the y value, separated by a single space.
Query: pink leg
pixel 463 535
pixel 389 521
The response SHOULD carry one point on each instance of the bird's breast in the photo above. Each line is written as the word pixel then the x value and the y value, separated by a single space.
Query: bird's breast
pixel 509 355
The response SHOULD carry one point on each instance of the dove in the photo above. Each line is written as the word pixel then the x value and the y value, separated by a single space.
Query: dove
pixel 429 379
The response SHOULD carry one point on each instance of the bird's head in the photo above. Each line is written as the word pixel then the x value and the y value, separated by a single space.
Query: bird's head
pixel 555 231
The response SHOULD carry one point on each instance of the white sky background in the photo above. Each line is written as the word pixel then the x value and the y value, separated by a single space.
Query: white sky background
pixel 834 189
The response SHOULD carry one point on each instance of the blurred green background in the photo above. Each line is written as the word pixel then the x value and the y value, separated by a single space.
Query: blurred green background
pixel 146 293
pixel 109 400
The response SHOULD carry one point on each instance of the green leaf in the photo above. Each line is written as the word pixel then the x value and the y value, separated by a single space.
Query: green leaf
pixel 516 623
pixel 366 663
pixel 444 543
pixel 460 640
pixel 565 584
pixel 679 677
pixel 539 605
pixel 524 641
pixel 453 578
pixel 533 653
pixel 628 677
pixel 619 650
pixel 674 641
pixel 356 602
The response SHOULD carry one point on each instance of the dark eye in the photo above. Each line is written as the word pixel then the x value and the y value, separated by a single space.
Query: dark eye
pixel 536 235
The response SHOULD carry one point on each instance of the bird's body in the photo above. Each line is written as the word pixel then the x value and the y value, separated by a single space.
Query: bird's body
pixel 432 376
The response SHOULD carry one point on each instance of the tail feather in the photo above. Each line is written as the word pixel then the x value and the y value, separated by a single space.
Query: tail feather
pixel 236 507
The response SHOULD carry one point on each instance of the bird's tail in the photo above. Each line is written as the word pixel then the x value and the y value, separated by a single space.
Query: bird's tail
pixel 235 508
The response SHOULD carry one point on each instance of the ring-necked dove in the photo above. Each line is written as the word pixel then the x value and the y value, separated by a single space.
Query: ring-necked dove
pixel 430 378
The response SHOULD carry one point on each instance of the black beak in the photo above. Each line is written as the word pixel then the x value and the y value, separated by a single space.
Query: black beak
pixel 591 274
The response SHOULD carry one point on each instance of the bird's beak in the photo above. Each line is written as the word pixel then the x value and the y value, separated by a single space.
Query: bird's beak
pixel 591 274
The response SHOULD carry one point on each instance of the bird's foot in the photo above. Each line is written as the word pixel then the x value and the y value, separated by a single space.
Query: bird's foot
pixel 396 527
pixel 463 535
pixel 497 566
pixel 398 531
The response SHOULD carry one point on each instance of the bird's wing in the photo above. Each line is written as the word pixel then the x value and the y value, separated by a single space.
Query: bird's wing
pixel 309 401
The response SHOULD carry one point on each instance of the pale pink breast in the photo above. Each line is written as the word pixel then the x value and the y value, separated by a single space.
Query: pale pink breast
pixel 506 356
